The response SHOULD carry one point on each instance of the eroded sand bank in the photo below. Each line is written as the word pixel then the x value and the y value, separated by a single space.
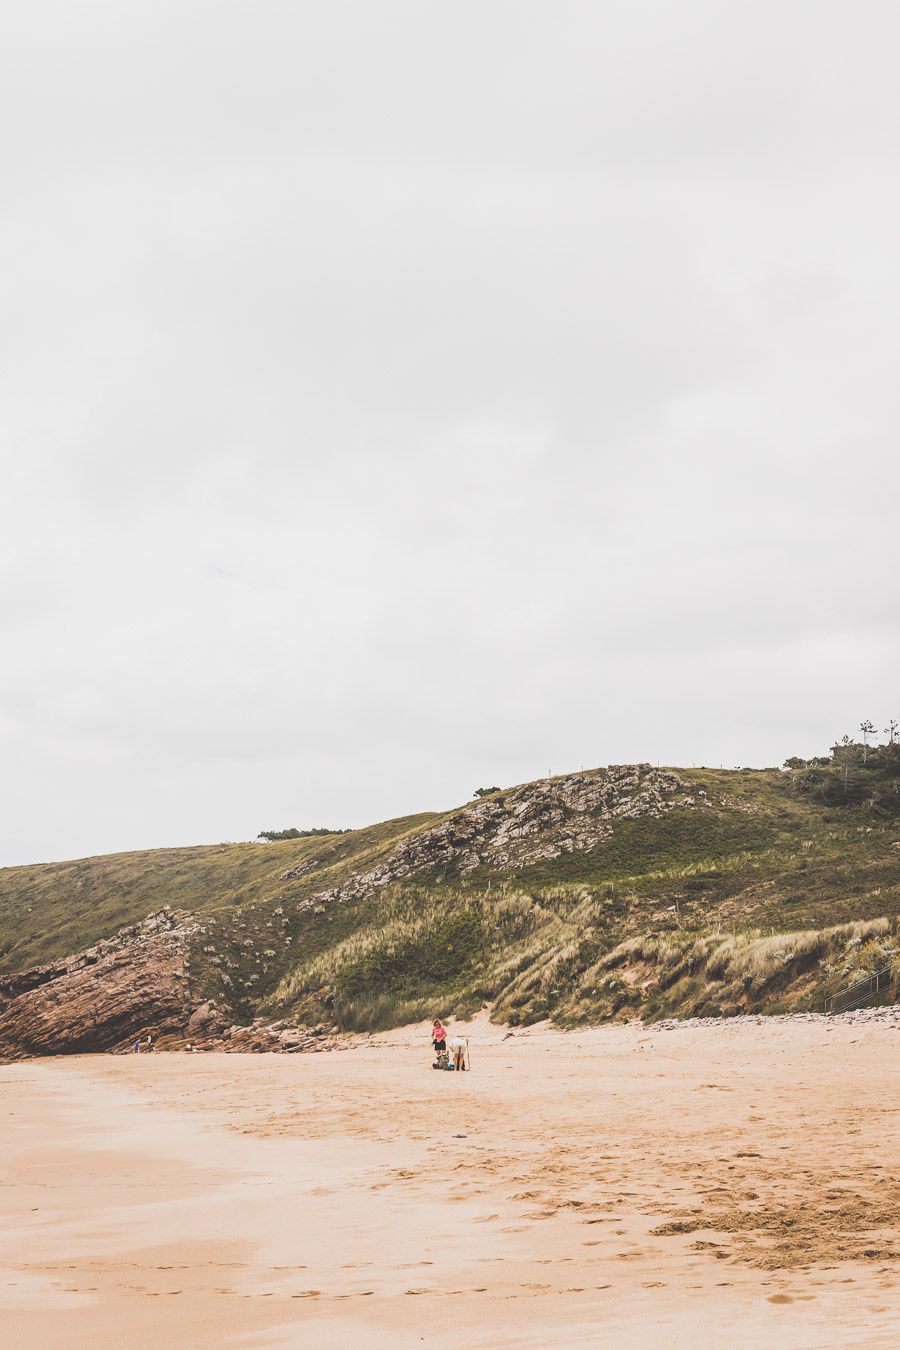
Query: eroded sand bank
pixel 619 1187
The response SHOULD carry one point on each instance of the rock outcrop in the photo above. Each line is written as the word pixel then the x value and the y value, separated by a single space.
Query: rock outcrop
pixel 132 983
pixel 279 1038
pixel 128 986
pixel 526 825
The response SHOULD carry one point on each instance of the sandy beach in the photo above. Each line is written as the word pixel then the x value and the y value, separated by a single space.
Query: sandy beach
pixel 618 1187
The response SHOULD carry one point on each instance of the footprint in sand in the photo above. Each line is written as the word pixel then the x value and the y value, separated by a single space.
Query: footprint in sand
pixel 780 1298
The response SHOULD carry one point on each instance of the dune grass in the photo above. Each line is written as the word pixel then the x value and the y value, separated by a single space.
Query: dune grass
pixel 712 974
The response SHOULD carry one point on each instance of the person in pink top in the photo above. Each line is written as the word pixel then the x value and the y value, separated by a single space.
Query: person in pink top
pixel 438 1035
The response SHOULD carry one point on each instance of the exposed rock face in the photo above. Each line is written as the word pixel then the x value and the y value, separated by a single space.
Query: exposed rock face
pixel 132 983
pixel 278 1038
pixel 205 1021
pixel 129 985
pixel 526 825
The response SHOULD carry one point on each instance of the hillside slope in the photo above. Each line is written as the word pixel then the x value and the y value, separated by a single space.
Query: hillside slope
pixel 624 891
pixel 50 910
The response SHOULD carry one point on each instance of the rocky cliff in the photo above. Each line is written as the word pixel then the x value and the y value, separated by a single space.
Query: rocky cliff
pixel 517 899
pixel 526 825
pixel 134 984
pixel 101 997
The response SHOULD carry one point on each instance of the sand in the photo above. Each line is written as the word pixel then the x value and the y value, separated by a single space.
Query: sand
pixel 619 1187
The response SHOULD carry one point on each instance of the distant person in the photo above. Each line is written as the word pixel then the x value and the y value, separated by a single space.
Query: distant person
pixel 439 1041
pixel 149 1047
pixel 457 1047
pixel 136 1049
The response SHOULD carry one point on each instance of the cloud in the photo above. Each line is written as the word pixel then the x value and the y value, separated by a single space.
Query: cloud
pixel 397 398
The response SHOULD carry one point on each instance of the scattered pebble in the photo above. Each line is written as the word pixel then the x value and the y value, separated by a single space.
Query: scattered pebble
pixel 889 1016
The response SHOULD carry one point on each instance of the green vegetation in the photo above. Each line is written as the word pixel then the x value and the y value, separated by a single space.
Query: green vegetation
pixel 854 775
pixel 714 975
pixel 769 890
pixel 272 836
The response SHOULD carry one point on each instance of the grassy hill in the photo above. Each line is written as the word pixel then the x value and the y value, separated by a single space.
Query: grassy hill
pixel 49 910
pixel 584 897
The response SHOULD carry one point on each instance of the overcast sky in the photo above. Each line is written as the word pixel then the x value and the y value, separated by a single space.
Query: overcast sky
pixel 397 398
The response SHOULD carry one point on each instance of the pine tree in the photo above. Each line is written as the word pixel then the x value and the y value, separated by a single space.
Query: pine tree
pixel 868 729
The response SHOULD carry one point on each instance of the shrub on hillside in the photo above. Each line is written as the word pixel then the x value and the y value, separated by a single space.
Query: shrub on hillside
pixel 855 775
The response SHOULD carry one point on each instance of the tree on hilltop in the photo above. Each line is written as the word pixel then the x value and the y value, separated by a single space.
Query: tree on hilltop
pixel 272 835
pixel 845 754
pixel 858 774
